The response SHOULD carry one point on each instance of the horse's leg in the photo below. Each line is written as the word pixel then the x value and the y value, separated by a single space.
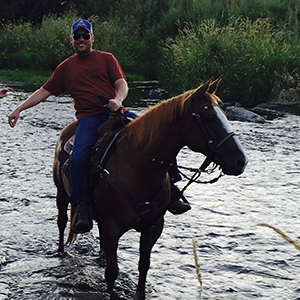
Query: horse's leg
pixel 109 243
pixel 147 241
pixel 101 252
pixel 62 201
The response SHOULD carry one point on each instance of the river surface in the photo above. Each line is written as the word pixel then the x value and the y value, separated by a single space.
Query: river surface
pixel 238 259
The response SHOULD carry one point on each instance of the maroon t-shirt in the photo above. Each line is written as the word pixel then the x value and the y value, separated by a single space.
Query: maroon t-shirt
pixel 86 78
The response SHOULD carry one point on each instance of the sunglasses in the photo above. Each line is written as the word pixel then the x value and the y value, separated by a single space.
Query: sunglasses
pixel 77 36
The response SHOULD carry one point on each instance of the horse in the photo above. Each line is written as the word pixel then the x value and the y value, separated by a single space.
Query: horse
pixel 133 190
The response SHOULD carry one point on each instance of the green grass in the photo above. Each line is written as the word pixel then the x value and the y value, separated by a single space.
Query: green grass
pixel 26 76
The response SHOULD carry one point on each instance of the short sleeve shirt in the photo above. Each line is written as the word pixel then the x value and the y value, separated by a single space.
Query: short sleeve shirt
pixel 86 78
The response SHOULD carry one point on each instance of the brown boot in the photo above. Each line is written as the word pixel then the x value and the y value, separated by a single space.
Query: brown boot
pixel 178 207
pixel 82 218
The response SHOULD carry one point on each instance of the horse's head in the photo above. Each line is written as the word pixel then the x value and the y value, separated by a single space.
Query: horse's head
pixel 207 118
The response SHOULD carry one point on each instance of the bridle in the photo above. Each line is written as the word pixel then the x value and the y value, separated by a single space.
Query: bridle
pixel 213 145
pixel 214 157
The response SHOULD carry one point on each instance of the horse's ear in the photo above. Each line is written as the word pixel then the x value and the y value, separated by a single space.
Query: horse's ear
pixel 202 89
pixel 214 85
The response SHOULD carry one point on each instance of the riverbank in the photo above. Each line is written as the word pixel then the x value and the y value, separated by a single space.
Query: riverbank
pixel 24 76
pixel 39 77
pixel 144 93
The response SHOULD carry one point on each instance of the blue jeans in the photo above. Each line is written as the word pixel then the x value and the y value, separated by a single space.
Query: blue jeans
pixel 86 136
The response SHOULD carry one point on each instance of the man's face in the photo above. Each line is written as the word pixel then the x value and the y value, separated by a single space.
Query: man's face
pixel 82 41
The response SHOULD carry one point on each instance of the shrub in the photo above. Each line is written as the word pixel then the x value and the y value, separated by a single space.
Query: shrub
pixel 250 55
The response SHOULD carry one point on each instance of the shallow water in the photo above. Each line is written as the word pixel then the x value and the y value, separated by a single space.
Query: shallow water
pixel 238 259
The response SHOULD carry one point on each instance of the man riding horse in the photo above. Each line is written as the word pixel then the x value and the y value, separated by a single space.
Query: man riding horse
pixel 86 75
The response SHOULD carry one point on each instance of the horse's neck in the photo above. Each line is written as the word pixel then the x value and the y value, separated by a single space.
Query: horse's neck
pixel 165 146
pixel 140 161
pixel 135 163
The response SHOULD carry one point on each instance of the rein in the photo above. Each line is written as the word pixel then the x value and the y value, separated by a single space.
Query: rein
pixel 197 171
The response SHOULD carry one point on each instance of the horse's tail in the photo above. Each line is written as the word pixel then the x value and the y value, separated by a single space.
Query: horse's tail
pixel 71 236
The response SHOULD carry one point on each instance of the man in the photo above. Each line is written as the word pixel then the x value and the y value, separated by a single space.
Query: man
pixel 86 75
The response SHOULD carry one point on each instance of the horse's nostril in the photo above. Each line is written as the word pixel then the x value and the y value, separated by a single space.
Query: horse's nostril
pixel 241 163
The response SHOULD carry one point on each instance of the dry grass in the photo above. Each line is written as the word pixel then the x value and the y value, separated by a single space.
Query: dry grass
pixel 197 263
pixel 293 242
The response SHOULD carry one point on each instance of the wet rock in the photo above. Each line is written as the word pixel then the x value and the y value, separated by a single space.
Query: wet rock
pixel 268 112
pixel 277 109
pixel 236 113
pixel 157 93
pixel 288 101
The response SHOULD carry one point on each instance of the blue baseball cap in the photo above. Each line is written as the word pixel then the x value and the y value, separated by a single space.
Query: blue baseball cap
pixel 81 23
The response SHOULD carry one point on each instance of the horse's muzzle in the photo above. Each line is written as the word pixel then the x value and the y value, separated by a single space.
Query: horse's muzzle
pixel 236 168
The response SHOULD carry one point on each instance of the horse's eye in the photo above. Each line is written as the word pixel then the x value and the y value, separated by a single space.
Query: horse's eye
pixel 211 118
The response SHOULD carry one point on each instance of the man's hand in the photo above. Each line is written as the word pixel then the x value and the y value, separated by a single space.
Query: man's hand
pixel 114 104
pixel 13 118
pixel 37 97
pixel 4 91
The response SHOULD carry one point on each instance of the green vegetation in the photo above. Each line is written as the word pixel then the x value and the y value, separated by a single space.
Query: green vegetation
pixel 28 76
pixel 251 56
pixel 182 43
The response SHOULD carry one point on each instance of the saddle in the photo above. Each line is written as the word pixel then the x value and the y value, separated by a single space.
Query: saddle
pixel 108 134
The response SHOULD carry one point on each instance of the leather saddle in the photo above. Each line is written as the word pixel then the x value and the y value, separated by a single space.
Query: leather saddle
pixel 108 134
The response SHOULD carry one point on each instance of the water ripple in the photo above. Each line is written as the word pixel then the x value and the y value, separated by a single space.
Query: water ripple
pixel 238 260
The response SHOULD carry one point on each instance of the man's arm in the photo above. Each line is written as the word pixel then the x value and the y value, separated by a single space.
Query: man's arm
pixel 121 87
pixel 34 99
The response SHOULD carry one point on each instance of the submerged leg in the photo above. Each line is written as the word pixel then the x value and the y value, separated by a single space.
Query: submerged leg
pixel 147 241
pixel 109 243
pixel 62 201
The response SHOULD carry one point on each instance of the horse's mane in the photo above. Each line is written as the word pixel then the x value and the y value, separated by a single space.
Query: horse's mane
pixel 145 127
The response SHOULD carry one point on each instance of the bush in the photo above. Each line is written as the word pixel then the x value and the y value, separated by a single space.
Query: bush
pixel 251 56
pixel 121 37
pixel 26 47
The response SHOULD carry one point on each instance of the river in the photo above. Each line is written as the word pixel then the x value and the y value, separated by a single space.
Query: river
pixel 238 259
